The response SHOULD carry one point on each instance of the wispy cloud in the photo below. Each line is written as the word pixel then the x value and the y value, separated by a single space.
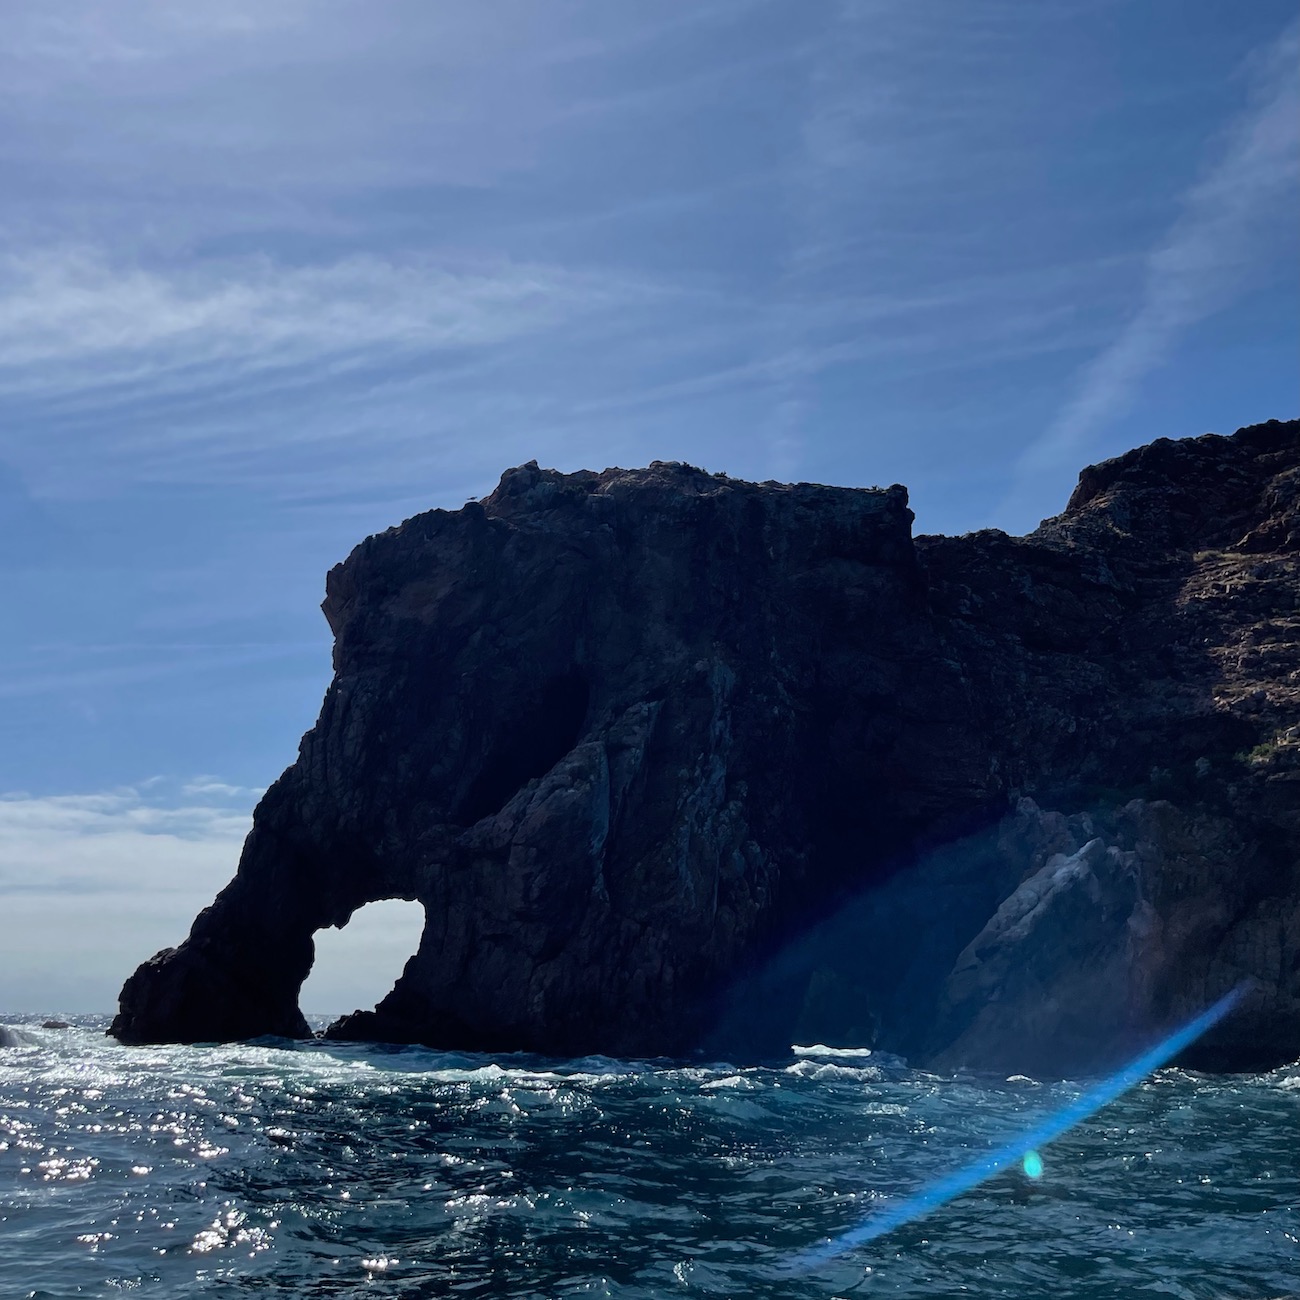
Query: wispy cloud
pixel 1208 256
pixel 929 334
pixel 213 788
pixel 366 372
pixel 228 370
pixel 72 318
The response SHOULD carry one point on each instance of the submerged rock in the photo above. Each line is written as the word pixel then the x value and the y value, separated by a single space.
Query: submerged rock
pixel 636 738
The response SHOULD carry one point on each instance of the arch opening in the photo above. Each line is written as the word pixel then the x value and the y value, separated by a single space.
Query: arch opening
pixel 356 966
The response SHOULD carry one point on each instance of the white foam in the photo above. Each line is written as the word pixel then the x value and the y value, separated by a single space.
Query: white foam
pixel 820 1049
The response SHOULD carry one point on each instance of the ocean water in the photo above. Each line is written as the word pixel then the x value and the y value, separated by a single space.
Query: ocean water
pixel 306 1170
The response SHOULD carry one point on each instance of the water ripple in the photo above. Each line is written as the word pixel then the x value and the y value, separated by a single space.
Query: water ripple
pixel 336 1170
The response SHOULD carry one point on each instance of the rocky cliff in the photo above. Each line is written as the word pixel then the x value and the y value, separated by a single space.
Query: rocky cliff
pixel 672 759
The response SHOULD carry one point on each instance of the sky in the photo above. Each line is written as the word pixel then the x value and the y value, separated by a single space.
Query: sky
pixel 277 275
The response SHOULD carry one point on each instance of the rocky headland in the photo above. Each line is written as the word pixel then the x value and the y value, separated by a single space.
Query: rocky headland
pixel 675 761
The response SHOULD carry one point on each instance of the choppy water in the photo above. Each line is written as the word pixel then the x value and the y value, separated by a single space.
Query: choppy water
pixel 315 1170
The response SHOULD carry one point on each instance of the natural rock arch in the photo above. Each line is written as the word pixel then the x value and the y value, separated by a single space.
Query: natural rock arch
pixel 627 735
pixel 358 963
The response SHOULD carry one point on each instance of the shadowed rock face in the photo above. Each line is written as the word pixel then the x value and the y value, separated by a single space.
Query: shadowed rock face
pixel 636 738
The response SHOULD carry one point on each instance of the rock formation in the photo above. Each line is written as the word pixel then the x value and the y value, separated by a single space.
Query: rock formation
pixel 672 759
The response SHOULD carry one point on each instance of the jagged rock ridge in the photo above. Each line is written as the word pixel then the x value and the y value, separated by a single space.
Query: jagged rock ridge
pixel 644 743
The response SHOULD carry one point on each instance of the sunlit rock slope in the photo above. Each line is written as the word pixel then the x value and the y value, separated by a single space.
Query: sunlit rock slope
pixel 675 760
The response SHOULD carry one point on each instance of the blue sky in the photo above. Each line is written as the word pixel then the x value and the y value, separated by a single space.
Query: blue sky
pixel 275 275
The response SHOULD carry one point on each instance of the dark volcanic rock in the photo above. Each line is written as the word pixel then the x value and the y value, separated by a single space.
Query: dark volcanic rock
pixel 671 758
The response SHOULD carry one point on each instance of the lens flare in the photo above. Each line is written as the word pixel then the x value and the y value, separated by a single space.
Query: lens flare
pixel 1021 1149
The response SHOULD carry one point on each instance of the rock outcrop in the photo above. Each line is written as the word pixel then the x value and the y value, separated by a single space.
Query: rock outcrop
pixel 672 759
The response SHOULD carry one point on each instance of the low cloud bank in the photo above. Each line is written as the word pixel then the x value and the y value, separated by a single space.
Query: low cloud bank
pixel 90 884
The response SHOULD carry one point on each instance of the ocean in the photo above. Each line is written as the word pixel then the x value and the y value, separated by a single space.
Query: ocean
pixel 318 1169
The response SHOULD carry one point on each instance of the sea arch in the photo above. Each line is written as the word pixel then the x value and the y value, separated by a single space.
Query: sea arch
pixel 357 963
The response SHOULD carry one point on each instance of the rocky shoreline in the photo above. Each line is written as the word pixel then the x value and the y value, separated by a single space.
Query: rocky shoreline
pixel 675 761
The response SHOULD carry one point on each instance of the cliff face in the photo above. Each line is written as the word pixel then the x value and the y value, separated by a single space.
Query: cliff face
pixel 671 758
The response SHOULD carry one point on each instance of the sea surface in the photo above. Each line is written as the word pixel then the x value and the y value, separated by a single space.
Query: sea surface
pixel 312 1169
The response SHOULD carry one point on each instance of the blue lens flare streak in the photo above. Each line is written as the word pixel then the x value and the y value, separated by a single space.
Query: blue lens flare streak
pixel 1085 1105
